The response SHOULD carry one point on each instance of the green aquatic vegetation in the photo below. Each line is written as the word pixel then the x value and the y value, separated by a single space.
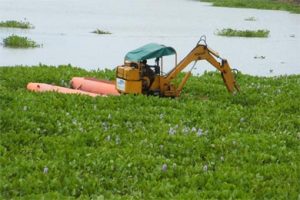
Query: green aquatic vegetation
pixel 250 19
pixel 15 41
pixel 243 33
pixel 16 24
pixel 100 32
pixel 206 144
pixel 290 6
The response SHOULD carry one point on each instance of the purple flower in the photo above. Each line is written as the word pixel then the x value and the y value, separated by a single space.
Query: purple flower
pixel 185 130
pixel 172 131
pixel 164 167
pixel 161 116
pixel 222 158
pixel 45 170
pixel 205 168
pixel 199 132
pixel 118 140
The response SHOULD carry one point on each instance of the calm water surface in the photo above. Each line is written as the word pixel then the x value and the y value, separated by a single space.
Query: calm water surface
pixel 64 28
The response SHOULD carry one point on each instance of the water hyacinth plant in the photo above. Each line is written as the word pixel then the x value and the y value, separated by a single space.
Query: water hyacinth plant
pixel 250 19
pixel 15 41
pixel 243 33
pixel 16 24
pixel 101 32
pixel 206 144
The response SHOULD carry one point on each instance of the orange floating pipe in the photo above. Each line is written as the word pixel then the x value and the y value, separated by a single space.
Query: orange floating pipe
pixel 43 87
pixel 93 85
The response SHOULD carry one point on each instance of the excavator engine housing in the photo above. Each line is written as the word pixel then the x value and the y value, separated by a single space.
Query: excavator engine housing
pixel 128 79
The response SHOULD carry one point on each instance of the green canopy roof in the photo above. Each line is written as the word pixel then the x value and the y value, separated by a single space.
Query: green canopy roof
pixel 149 51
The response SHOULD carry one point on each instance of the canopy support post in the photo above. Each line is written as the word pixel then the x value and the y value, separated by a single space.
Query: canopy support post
pixel 161 64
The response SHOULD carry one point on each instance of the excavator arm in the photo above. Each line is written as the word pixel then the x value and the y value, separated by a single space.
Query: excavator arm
pixel 200 52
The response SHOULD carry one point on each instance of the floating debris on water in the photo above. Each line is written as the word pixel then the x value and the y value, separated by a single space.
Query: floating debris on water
pixel 259 57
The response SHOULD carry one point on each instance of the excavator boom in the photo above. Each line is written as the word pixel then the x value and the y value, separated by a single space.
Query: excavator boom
pixel 202 52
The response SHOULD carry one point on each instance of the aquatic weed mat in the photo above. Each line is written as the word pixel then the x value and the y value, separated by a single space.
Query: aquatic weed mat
pixel 205 144
pixel 15 41
pixel 16 24
pixel 287 5
pixel 243 33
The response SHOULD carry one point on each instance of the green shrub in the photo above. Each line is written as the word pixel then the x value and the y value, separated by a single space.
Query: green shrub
pixel 15 41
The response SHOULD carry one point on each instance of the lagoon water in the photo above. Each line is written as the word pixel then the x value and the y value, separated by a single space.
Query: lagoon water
pixel 64 28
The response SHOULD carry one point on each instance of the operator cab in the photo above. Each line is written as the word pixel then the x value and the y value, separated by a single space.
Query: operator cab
pixel 136 75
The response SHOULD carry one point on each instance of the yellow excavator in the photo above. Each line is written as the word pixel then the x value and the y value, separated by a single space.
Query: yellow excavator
pixel 137 77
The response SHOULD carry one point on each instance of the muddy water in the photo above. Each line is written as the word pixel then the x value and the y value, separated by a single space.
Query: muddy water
pixel 63 27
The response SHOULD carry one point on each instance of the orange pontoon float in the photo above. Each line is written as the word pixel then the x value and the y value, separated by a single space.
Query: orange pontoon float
pixel 93 85
pixel 86 86
pixel 43 87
